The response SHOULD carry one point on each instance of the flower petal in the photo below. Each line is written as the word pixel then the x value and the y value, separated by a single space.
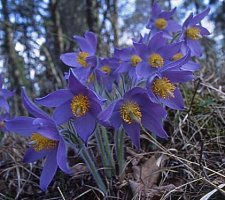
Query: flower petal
pixel 144 70
pixel 157 41
pixel 195 47
pixel 74 84
pixel 85 126
pixel 31 107
pixel 70 59
pixel 133 130
pixel 153 124
pixel 196 19
pixel 21 125
pixel 47 128
pixel 170 50
pixel 62 157
pixel 56 98
pixel 63 113
pixel 49 170
pixel 190 66
pixel 32 155
pixel 175 102
pixel 187 21
pixel 173 26
pixel 92 39
pixel 84 45
pixel 178 76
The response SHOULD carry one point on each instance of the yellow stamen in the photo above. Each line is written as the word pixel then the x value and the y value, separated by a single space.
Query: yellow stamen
pixel 161 23
pixel 177 56
pixel 106 69
pixel 135 59
pixel 42 143
pixel 81 58
pixel 80 105
pixel 163 88
pixel 91 78
pixel 193 33
pixel 155 60
pixel 130 112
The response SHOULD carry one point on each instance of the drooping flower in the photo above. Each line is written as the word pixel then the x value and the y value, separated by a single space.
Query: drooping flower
pixel 77 103
pixel 161 87
pixel 132 111
pixel 45 140
pixel 157 56
pixel 161 21
pixel 4 95
pixel 83 61
pixel 129 59
pixel 192 32
pixel 106 72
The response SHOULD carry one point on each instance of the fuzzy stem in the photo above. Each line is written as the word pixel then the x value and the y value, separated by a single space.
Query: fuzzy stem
pixel 104 150
pixel 86 156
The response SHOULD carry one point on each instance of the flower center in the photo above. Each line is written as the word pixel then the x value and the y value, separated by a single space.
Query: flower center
pixel 81 58
pixel 42 143
pixel 161 23
pixel 163 88
pixel 130 112
pixel 177 56
pixel 155 60
pixel 80 105
pixel 106 69
pixel 135 59
pixel 193 33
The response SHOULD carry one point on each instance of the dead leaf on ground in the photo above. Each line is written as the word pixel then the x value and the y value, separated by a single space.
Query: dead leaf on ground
pixel 147 176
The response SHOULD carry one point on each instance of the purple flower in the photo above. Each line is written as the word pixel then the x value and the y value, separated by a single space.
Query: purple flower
pixel 4 95
pixel 106 72
pixel 190 65
pixel 129 59
pixel 45 140
pixel 162 89
pixel 192 32
pixel 84 60
pixel 161 21
pixel 157 56
pixel 134 110
pixel 77 103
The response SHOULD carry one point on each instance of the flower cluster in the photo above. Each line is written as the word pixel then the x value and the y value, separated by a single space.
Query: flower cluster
pixel 129 90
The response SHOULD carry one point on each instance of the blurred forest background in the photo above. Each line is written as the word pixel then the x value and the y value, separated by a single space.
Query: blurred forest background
pixel 33 34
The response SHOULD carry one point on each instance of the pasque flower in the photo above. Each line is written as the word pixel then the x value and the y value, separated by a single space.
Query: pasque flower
pixel 156 56
pixel 132 111
pixel 84 60
pixel 4 95
pixel 129 59
pixel 45 140
pixel 161 87
pixel 192 32
pixel 77 103
pixel 161 21
pixel 106 72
